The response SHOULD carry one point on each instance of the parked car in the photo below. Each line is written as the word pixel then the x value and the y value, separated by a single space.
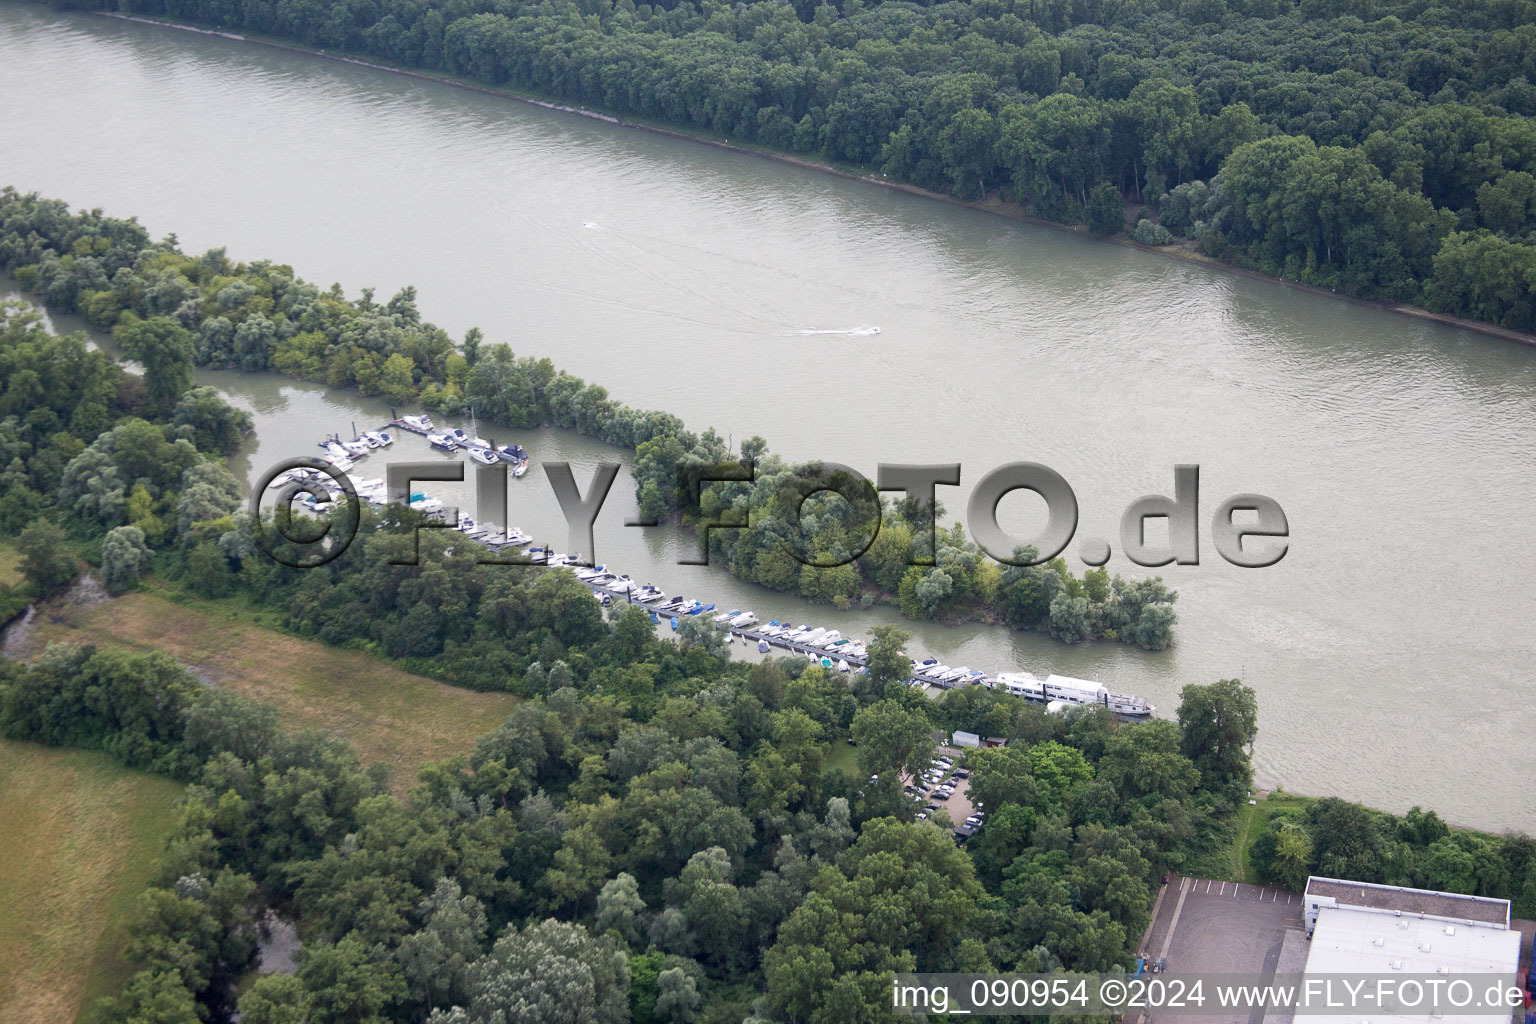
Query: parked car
pixel 963 773
pixel 933 807
pixel 973 821
pixel 947 759
pixel 922 815
pixel 939 794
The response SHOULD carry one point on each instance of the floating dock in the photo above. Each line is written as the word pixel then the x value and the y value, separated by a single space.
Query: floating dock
pixel 1053 690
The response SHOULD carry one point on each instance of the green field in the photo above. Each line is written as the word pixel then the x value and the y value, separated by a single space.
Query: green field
pixel 843 756
pixel 80 837
pixel 388 715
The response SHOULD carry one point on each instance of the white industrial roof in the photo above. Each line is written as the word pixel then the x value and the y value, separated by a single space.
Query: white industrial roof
pixel 1352 941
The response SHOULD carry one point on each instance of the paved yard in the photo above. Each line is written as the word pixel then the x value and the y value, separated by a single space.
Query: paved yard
pixel 1204 926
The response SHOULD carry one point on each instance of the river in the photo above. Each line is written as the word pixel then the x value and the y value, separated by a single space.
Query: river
pixel 1389 648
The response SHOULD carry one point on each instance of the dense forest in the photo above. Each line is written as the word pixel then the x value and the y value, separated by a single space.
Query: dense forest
pixel 655 836
pixel 659 833
pixel 173 312
pixel 1382 148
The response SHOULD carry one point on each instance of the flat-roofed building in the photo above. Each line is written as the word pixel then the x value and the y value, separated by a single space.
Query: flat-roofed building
pixel 1365 928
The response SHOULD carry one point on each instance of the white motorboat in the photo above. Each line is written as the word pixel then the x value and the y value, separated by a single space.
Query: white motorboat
pixel 415 424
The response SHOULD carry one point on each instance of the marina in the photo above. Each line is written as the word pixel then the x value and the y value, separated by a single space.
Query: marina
pixel 833 651
pixel 827 647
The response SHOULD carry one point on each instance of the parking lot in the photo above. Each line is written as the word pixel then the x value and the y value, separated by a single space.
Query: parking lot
pixel 958 806
pixel 1209 926
pixel 1204 925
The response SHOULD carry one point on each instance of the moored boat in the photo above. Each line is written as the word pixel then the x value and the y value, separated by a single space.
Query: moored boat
pixel 415 424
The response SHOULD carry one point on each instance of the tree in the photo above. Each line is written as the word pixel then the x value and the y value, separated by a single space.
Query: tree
pixel 552 972
pixel 1057 769
pixel 618 904
pixel 124 559
pixel 696 631
pixel 1346 840
pixel 1292 860
pixel 932 590
pixel 152 997
pixel 275 999
pixel 45 561
pixel 1146 760
pixel 677 997
pixel 208 492
pixel 1106 210
pixel 396 381
pixel 209 422
pixel 892 739
pixel 888 661
pixel 900 899
pixel 435 960
pixel 347 985
pixel 208 570
pixel 165 349
pixel 1218 722
pixel 717 918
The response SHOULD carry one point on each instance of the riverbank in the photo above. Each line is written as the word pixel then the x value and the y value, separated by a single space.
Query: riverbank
pixel 993 205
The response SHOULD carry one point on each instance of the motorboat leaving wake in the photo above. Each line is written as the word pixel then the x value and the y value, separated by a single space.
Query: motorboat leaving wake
pixel 862 331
